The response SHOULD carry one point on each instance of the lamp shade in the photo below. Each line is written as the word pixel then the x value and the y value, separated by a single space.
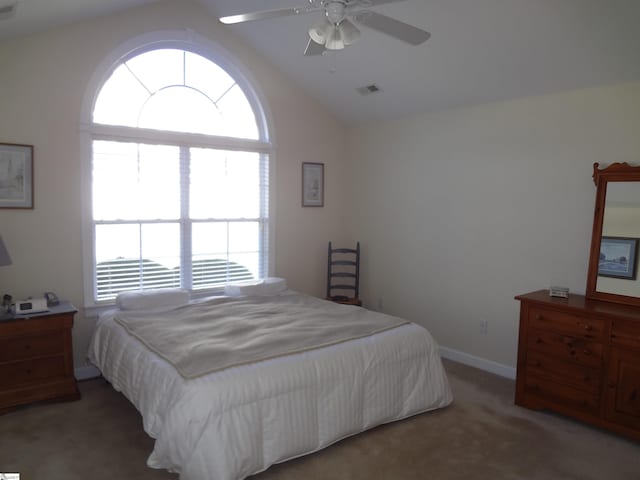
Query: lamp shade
pixel 5 259
pixel 350 32
pixel 320 31
pixel 334 39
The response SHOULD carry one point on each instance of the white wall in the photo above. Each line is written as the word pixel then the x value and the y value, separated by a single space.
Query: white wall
pixel 459 211
pixel 43 79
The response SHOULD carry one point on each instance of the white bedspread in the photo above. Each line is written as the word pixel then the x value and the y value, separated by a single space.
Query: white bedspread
pixel 236 422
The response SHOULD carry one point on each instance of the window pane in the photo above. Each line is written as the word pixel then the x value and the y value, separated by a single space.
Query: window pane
pixel 178 91
pixel 224 184
pixel 181 109
pixel 120 99
pixel 213 264
pixel 239 119
pixel 158 69
pixel 134 256
pixel 206 77
pixel 135 181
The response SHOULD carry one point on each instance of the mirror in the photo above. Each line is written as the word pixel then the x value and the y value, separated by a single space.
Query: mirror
pixel 613 274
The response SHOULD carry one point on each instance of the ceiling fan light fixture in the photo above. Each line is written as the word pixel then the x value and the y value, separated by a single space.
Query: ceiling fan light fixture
pixel 349 32
pixel 334 40
pixel 321 31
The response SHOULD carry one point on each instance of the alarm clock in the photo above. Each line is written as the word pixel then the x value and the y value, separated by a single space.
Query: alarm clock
pixel 31 305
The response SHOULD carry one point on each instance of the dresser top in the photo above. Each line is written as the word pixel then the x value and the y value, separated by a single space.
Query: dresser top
pixel 577 302
pixel 63 307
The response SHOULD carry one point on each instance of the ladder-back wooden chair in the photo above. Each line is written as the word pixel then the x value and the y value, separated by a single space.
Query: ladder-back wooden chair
pixel 343 275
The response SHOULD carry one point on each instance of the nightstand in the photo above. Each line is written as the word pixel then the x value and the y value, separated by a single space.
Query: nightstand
pixel 36 357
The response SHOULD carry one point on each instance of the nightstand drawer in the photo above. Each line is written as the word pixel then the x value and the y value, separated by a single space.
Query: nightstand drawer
pixel 566 348
pixel 29 371
pixel 573 374
pixel 31 346
pixel 566 323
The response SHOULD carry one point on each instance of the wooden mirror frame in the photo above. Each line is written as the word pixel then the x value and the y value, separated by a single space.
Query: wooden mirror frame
pixel 616 172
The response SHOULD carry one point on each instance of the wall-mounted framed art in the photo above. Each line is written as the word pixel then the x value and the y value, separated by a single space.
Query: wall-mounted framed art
pixel 618 257
pixel 16 176
pixel 312 184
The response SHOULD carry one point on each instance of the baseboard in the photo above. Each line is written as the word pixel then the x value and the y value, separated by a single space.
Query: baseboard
pixel 478 362
pixel 86 372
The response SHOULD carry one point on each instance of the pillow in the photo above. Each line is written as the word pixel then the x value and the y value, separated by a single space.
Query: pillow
pixel 267 286
pixel 147 299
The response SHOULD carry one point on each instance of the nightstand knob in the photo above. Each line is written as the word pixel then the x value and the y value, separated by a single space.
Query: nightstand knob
pixel 588 327
pixel 28 371
pixel 586 351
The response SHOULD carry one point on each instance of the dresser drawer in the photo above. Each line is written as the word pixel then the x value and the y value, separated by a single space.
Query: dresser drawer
pixel 28 371
pixel 566 323
pixel 566 347
pixel 31 346
pixel 561 394
pixel 573 374
pixel 626 332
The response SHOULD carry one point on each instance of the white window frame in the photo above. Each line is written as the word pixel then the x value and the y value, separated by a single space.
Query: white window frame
pixel 184 40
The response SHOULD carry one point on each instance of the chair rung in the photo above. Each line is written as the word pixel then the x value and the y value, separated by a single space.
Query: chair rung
pixel 343 287
pixel 343 262
pixel 343 250
pixel 344 274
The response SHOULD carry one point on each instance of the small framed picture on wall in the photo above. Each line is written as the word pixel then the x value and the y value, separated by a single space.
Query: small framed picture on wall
pixel 16 176
pixel 312 184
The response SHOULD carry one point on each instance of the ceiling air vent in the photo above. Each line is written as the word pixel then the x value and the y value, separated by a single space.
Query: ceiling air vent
pixel 368 89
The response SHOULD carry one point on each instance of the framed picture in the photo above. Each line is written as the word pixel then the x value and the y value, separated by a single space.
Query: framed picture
pixel 618 257
pixel 312 184
pixel 16 176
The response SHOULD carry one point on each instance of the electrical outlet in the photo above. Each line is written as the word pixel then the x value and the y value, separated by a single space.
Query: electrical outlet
pixel 484 327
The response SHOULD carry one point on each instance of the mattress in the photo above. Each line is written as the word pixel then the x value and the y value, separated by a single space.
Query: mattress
pixel 236 422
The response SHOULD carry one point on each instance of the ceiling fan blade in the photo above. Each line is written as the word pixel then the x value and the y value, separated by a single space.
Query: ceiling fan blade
pixel 375 3
pixel 280 12
pixel 394 28
pixel 313 48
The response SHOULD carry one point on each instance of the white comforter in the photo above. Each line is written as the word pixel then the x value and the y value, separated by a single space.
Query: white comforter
pixel 236 422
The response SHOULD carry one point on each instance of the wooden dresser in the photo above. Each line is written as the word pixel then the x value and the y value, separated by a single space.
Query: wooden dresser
pixel 580 358
pixel 36 358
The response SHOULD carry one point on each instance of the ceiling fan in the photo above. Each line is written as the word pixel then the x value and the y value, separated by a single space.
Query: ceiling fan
pixel 336 29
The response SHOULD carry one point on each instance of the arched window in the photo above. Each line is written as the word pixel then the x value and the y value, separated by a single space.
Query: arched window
pixel 179 176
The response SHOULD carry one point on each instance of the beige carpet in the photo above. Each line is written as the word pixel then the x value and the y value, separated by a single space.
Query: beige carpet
pixel 481 436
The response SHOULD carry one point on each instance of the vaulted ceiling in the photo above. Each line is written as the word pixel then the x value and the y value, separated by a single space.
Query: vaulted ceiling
pixel 480 50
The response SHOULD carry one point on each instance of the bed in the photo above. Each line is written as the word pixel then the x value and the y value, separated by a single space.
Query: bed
pixel 232 417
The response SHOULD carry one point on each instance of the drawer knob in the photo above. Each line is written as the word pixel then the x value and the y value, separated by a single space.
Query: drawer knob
pixel 28 371
pixel 588 327
pixel 27 347
pixel 539 317
pixel 586 351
